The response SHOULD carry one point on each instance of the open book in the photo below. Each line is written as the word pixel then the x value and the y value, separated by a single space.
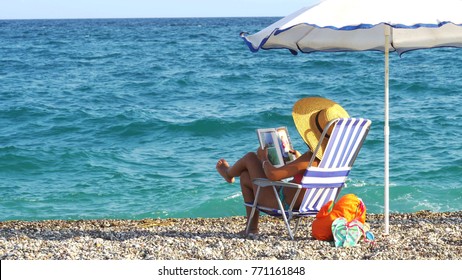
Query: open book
pixel 278 142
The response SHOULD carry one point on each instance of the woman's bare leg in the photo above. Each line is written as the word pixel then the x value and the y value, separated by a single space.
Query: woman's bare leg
pixel 249 162
pixel 247 189
pixel 252 165
pixel 222 168
pixel 248 168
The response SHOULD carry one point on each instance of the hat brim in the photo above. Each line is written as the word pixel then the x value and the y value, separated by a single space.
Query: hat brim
pixel 303 114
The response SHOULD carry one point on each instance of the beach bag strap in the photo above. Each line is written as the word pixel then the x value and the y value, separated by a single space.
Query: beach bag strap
pixel 360 210
pixel 367 234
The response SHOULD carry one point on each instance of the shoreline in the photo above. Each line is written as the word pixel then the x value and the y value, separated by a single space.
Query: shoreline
pixel 421 235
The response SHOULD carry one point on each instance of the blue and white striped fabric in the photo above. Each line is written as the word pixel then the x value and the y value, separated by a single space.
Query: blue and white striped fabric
pixel 323 183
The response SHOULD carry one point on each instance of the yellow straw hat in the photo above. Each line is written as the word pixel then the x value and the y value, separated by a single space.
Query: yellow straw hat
pixel 311 115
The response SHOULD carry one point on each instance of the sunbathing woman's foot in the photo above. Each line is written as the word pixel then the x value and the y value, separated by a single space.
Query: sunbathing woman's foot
pixel 222 168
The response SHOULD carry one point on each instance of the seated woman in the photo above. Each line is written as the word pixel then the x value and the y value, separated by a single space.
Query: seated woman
pixel 310 116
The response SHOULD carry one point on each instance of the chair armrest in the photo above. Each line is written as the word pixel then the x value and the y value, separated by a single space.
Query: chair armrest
pixel 263 182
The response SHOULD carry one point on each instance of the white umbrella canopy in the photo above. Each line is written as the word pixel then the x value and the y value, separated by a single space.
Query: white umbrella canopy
pixel 358 25
pixel 366 25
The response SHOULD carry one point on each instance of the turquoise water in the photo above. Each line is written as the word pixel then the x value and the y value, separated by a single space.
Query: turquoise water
pixel 127 118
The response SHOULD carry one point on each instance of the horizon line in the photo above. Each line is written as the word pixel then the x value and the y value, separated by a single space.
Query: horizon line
pixel 166 17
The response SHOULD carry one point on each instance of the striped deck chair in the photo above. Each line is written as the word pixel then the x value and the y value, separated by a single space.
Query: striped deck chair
pixel 322 183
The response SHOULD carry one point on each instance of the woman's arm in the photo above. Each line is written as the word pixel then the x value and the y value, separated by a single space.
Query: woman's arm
pixel 289 170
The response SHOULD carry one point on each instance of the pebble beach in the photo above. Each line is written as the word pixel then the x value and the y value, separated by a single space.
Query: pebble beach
pixel 416 236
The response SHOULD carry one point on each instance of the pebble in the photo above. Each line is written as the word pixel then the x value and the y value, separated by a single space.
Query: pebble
pixel 421 235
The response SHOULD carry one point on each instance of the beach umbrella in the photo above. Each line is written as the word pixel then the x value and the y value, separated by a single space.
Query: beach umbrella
pixel 366 25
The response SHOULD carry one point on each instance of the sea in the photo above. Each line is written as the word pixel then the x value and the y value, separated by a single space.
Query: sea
pixel 126 118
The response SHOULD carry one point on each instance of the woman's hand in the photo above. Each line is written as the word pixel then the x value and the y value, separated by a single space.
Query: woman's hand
pixel 262 154
pixel 296 153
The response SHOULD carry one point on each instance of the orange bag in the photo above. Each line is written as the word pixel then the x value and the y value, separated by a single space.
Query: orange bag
pixel 348 206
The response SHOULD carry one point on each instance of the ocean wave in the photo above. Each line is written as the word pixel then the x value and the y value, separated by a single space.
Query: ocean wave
pixel 13 162
pixel 93 57
pixel 208 126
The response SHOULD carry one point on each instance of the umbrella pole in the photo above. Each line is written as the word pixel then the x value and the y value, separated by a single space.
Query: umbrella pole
pixel 386 132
